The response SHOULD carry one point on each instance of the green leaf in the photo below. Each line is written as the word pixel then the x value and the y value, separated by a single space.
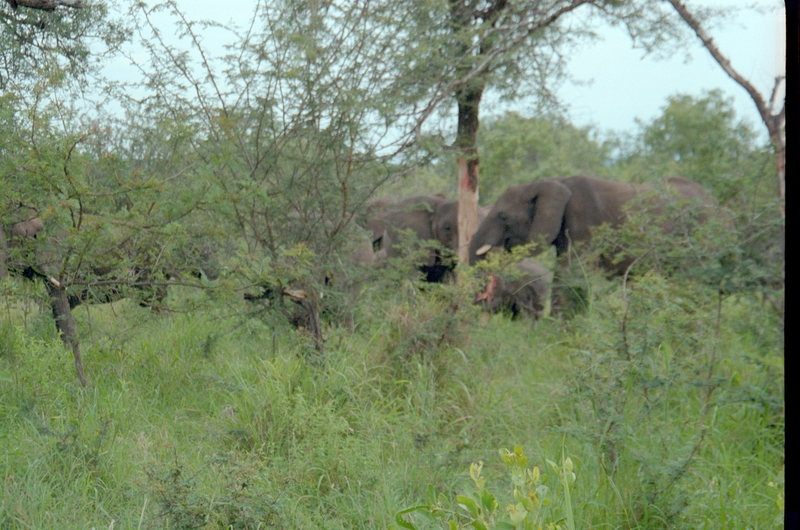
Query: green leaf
pixel 469 504
pixel 489 502
pixel 518 513
pixel 479 525
pixel 405 524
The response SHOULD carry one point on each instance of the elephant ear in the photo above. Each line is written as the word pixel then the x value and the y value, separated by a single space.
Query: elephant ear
pixel 548 199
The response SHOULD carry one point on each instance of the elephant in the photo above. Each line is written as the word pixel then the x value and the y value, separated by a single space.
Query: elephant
pixel 25 259
pixel 430 217
pixel 564 211
pixel 523 292
pixel 27 253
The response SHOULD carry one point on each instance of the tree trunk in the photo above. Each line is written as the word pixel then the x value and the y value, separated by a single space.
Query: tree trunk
pixel 469 100
pixel 66 326
pixel 780 155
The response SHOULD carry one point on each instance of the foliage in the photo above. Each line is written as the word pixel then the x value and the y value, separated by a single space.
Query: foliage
pixel 199 404
pixel 533 505
pixel 518 150
pixel 700 138
pixel 39 44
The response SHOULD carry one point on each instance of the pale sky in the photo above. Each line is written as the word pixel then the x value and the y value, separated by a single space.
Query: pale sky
pixel 623 84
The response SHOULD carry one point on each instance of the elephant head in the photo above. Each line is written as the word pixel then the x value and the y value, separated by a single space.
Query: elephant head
pixel 522 214
pixel 444 223
pixel 417 214
pixel 429 217
pixel 34 257
pixel 525 292
pixel 566 210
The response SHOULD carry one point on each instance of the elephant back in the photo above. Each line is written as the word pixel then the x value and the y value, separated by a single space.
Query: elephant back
pixel 596 201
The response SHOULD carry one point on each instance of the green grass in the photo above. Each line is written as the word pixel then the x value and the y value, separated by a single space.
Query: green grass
pixel 207 419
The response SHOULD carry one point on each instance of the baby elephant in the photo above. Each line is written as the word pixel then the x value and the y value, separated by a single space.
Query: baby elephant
pixel 524 292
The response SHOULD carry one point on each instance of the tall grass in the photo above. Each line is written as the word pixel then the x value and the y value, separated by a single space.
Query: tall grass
pixel 212 419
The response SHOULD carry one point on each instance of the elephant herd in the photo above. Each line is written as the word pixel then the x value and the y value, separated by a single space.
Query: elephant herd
pixel 553 211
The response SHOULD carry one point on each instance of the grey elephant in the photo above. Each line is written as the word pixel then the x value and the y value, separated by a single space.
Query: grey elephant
pixel 563 211
pixel 103 280
pixel 524 292
pixel 374 220
pixel 430 217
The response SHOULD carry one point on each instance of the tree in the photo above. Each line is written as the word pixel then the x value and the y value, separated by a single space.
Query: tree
pixel 701 139
pixel 486 36
pixel 774 119
pixel 41 36
pixel 295 131
pixel 44 56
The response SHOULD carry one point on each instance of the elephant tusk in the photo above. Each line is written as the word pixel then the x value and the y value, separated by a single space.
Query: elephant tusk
pixel 54 282
pixel 483 250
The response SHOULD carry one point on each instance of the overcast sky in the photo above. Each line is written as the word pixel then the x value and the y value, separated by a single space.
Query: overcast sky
pixel 625 85
pixel 620 83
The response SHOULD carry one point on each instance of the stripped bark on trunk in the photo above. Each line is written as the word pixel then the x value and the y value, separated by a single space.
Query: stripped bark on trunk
pixel 467 141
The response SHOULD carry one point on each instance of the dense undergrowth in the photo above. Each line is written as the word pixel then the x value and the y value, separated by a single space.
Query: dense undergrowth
pixel 668 401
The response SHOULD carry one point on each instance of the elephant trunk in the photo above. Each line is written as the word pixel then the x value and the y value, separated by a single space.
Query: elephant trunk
pixel 484 240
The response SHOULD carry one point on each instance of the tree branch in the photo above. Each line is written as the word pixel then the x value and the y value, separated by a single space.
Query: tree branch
pixel 774 122
pixel 45 5
pixel 766 113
